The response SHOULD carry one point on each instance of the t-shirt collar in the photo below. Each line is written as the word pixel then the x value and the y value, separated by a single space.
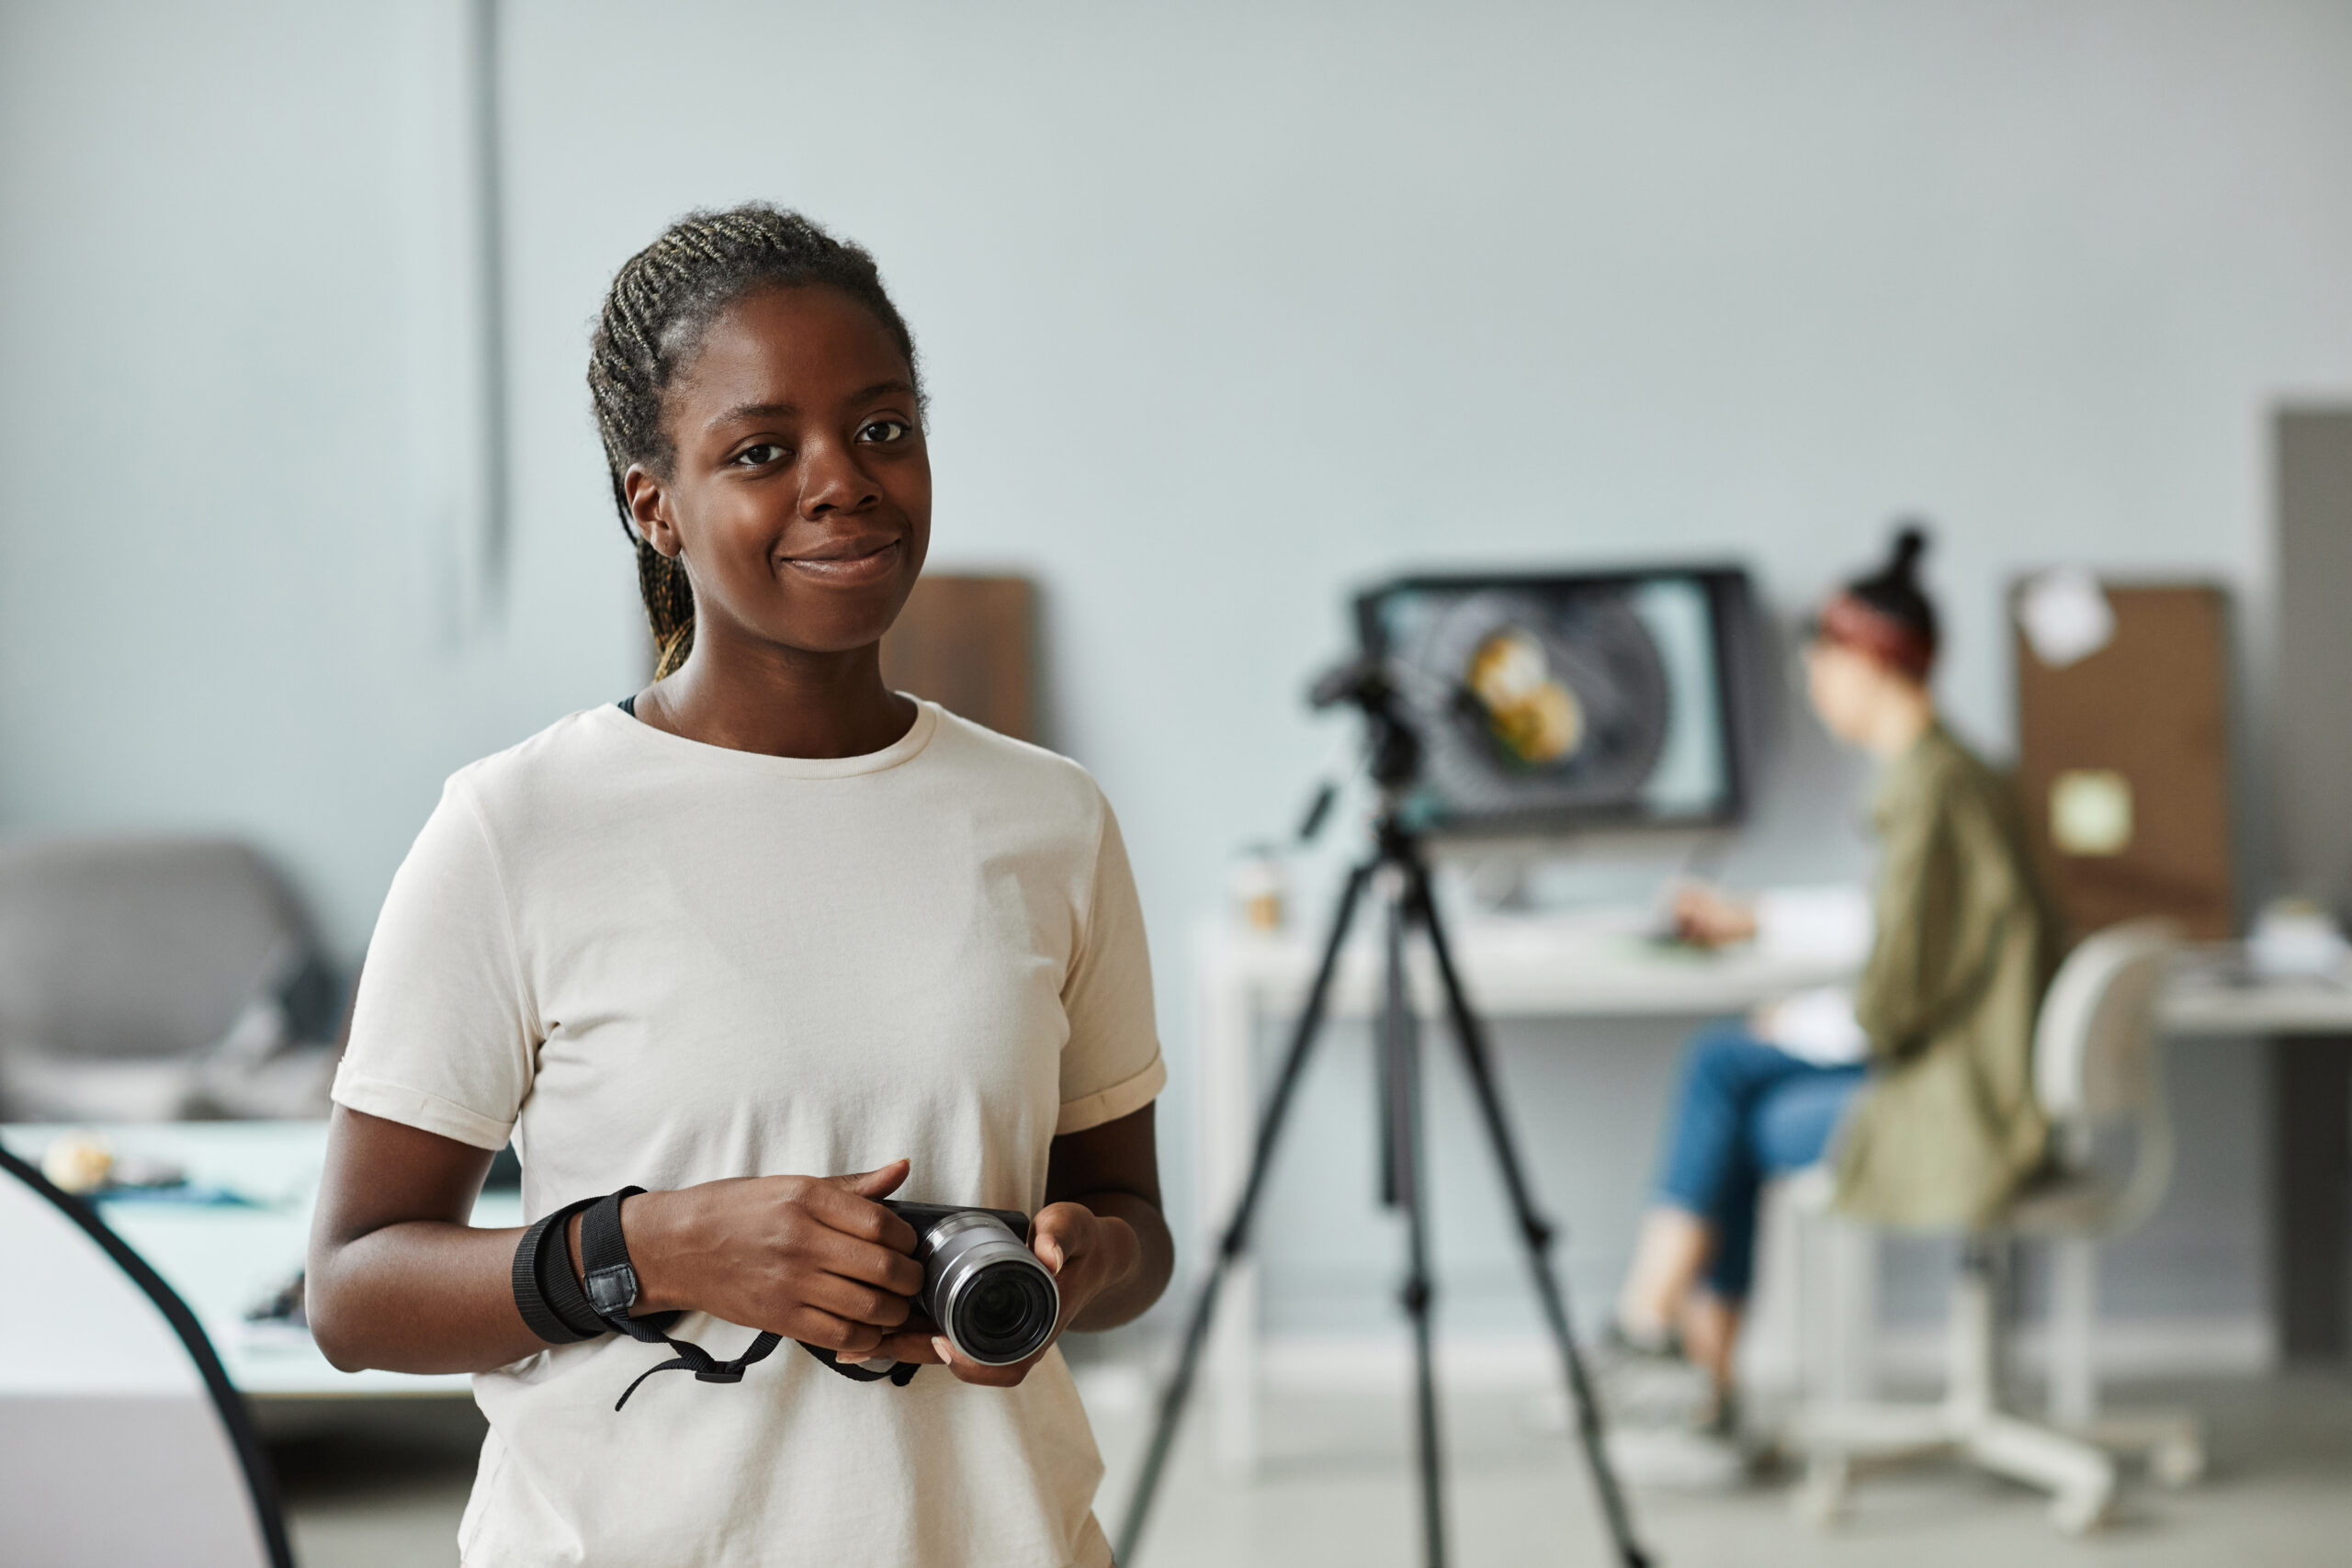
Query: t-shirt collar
pixel 905 748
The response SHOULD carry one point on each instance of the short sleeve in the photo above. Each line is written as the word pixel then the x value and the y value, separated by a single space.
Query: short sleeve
pixel 443 1034
pixel 1111 1066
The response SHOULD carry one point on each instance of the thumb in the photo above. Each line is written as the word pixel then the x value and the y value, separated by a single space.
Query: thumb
pixel 879 1182
pixel 1049 1243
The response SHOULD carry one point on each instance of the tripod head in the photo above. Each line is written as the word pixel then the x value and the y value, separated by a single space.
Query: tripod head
pixel 1392 748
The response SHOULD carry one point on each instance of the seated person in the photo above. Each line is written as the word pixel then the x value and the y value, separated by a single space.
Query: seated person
pixel 1933 1111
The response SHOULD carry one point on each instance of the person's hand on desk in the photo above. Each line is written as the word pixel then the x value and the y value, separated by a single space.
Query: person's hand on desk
pixel 1707 917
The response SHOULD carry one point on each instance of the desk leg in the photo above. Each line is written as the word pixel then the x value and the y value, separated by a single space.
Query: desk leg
pixel 2311 1237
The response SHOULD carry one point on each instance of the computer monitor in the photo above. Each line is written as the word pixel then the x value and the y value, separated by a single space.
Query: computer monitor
pixel 1551 703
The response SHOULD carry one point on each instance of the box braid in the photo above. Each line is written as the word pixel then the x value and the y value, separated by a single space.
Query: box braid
pixel 662 300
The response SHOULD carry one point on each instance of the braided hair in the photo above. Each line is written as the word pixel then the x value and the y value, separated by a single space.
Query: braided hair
pixel 661 302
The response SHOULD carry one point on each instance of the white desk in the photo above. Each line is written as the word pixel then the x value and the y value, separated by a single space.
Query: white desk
pixel 223 1259
pixel 1594 966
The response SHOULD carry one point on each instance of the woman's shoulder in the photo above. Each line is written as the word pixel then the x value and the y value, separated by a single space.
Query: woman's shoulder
pixel 1018 769
pixel 571 756
pixel 1941 778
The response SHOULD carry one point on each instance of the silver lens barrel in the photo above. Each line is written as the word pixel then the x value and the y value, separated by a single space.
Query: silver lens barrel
pixel 987 1292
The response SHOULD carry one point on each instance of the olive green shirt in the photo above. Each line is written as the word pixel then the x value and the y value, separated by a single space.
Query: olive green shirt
pixel 1947 1126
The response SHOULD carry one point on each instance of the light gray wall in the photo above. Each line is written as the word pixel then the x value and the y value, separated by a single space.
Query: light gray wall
pixel 1226 309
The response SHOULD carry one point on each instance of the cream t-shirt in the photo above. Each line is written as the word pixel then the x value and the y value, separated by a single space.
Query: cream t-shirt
pixel 654 961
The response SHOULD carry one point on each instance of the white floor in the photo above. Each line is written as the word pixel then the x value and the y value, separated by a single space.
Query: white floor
pixel 1338 1487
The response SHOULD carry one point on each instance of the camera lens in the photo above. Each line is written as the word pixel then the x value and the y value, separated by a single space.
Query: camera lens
pixel 995 1305
pixel 985 1288
pixel 1006 1313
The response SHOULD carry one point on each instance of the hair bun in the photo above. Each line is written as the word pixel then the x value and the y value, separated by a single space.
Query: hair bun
pixel 1910 544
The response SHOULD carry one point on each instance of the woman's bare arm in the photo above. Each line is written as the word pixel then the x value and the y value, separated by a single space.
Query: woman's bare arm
pixel 1113 1170
pixel 399 1280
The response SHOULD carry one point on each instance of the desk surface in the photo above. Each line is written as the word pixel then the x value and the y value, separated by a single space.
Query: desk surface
pixel 223 1259
pixel 1603 964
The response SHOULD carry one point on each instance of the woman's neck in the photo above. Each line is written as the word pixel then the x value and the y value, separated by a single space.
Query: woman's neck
pixel 783 702
pixel 1906 713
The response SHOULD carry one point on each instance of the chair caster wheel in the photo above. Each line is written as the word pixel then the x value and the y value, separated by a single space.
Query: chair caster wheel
pixel 2082 1511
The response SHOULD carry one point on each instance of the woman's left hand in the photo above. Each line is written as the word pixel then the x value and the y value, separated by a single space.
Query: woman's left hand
pixel 1089 1253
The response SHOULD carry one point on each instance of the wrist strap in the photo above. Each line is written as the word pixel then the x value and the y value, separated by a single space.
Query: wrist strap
pixel 545 1293
pixel 603 1258
pixel 559 1282
pixel 612 1276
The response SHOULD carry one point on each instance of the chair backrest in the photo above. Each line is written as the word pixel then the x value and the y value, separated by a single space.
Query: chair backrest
pixel 135 947
pixel 120 1441
pixel 2094 1052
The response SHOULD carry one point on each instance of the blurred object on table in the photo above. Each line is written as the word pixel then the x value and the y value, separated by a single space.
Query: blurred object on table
pixel 2295 938
pixel 1257 883
pixel 2123 748
pixel 79 1163
pixel 969 645
pixel 152 979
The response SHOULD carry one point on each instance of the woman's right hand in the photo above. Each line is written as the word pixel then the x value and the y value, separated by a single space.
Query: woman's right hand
pixel 812 1257
pixel 1706 917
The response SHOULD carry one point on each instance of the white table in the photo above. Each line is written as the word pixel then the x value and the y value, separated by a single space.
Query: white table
pixel 1590 965
pixel 224 1259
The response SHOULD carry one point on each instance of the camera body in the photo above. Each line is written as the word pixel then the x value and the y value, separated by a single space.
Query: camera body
pixel 987 1292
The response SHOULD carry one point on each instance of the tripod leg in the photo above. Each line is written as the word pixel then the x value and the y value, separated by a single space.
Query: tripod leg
pixel 1235 1235
pixel 1535 1231
pixel 1401 1068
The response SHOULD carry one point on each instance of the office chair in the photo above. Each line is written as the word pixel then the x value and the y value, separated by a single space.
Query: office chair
pixel 2097 1077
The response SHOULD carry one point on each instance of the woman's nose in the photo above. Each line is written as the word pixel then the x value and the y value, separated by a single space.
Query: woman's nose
pixel 832 481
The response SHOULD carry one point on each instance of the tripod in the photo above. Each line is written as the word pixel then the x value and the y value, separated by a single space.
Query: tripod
pixel 1397 869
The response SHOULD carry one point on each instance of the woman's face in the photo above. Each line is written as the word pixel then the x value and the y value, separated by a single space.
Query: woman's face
pixel 799 497
pixel 1847 688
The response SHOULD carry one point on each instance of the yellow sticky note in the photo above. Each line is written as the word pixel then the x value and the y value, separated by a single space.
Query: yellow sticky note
pixel 2090 812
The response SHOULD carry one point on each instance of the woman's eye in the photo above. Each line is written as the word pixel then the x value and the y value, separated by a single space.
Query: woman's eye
pixel 885 430
pixel 759 456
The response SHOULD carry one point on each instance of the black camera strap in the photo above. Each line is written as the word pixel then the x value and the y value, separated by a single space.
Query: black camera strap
pixel 612 1281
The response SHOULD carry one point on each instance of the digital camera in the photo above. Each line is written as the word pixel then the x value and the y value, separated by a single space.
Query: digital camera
pixel 981 1284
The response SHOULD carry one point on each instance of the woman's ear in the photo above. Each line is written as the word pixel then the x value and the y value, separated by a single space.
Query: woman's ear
pixel 649 509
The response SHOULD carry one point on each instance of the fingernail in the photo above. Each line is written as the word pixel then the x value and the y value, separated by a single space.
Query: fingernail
pixel 939 1343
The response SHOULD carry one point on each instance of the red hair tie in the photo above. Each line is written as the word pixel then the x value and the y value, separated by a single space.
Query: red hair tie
pixel 1851 623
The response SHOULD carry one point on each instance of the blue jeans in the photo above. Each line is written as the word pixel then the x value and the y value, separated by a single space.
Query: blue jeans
pixel 1744 1113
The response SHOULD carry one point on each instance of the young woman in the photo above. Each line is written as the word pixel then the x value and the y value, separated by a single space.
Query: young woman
pixel 773 943
pixel 1934 1115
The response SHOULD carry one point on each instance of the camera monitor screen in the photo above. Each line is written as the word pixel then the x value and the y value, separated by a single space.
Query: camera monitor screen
pixel 1551 703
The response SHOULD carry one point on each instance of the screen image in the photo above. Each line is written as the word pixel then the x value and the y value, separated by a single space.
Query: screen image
pixel 1558 701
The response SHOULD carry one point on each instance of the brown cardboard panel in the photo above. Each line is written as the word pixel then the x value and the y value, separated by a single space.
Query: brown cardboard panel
pixel 968 643
pixel 2140 726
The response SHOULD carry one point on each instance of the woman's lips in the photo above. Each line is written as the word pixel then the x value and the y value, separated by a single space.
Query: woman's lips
pixel 845 570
